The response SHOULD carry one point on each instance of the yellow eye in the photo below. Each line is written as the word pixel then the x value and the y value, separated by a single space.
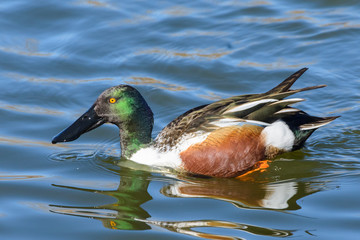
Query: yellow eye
pixel 112 100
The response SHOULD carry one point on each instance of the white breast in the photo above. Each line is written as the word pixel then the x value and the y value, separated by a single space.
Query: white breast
pixel 152 156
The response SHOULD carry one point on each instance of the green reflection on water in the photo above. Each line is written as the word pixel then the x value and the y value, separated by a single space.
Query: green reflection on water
pixel 128 212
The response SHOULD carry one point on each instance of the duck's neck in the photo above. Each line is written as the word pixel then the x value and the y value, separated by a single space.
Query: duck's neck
pixel 136 133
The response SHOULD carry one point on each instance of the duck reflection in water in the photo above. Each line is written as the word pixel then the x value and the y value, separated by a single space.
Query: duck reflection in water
pixel 127 212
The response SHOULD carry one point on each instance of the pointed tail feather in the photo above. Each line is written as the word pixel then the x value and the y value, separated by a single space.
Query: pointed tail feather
pixel 287 83
pixel 282 95
pixel 318 123
pixel 305 130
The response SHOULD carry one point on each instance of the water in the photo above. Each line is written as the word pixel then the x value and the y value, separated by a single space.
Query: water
pixel 57 56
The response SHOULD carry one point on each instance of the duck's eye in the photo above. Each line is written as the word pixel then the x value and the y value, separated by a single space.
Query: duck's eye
pixel 112 100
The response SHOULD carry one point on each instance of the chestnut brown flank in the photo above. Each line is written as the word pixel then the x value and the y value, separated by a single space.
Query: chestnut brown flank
pixel 226 152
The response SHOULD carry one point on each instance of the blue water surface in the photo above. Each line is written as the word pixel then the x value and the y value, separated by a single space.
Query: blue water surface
pixel 56 57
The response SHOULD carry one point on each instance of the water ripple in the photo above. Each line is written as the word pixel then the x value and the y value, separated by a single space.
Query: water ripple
pixel 200 53
pixel 35 79
pixel 74 155
pixel 29 109
pixel 154 82
pixel 15 177
pixel 26 142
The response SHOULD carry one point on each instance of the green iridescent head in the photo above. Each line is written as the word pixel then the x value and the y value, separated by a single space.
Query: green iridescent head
pixel 119 104
pixel 123 106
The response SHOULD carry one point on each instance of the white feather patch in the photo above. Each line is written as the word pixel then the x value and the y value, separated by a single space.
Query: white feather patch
pixel 279 135
pixel 153 157
pixel 287 110
pixel 170 157
pixel 228 122
pixel 259 123
pixel 248 105
pixel 289 101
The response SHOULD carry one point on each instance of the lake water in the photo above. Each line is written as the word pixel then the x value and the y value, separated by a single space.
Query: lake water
pixel 57 56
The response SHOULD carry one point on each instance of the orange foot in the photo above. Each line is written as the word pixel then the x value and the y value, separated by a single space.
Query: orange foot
pixel 259 166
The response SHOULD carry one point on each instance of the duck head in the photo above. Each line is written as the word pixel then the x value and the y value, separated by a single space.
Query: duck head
pixel 123 106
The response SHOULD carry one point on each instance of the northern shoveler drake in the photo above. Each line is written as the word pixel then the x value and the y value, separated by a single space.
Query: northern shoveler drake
pixel 221 139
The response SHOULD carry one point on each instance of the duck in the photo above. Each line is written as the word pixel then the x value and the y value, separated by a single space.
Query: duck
pixel 225 138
